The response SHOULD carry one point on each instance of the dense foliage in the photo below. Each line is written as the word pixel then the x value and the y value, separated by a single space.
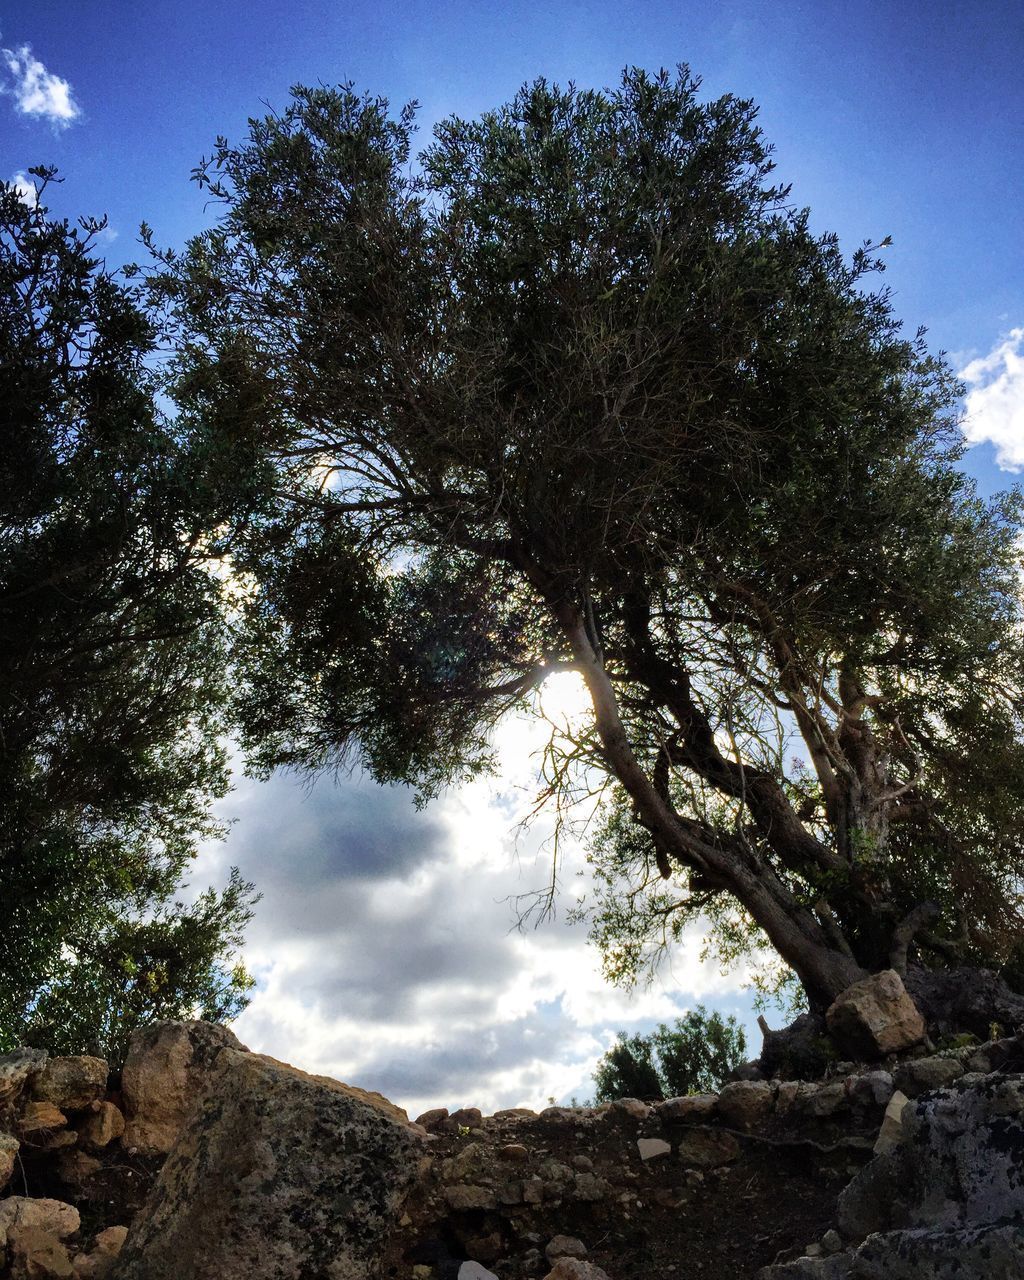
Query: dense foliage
pixel 578 387
pixel 112 685
pixel 695 1055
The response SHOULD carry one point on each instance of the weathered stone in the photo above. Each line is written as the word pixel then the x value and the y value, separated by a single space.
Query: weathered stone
pixel 823 1100
pixel 71 1083
pixel 40 1117
pixel 514 1151
pixel 995 1054
pixel 558 1115
pixel 18 1069
pixel 432 1119
pixel 745 1103
pixel 707 1148
pixel 488 1247
pixel 652 1148
pixel 632 1107
pixel 870 1090
pixel 464 1118
pixel 564 1247
pixel 100 1262
pixel 875 1016
pixel 697 1106
pixel 76 1168
pixel 515 1113
pixel 786 1096
pixel 9 1148
pixel 165 1071
pixel 979 1253
pixel 53 1216
pixel 832 1241
pixel 891 1133
pixel 575 1269
pixel 589 1187
pixel 465 1196
pixel 102 1127
pixel 279 1175
pixel 922 1075
pixel 37 1255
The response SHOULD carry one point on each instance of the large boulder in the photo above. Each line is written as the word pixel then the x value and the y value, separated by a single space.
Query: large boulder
pixel 875 1016
pixel 18 1069
pixel 167 1067
pixel 946 1201
pixel 9 1148
pixel 278 1175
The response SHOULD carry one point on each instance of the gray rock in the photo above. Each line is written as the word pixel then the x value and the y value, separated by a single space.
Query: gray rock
pixel 279 1175
pixel 922 1075
pixel 575 1269
pixel 875 1016
pixel 475 1271
pixel 871 1090
pixel 977 1253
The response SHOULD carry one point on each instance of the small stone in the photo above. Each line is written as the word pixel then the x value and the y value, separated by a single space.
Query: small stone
pixel 652 1148
pixel 832 1241
pixel 515 1113
pixel 813 1251
pixel 485 1248
pixel 583 1163
pixel 824 1100
pixel 72 1083
pixel 76 1168
pixel 589 1187
pixel 514 1151
pixel 575 1269
pixel 564 1247
pixel 102 1127
pixel 890 1135
pixel 872 1089
pixel 558 1115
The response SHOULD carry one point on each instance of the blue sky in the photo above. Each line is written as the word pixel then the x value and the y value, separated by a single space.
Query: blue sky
pixel 889 119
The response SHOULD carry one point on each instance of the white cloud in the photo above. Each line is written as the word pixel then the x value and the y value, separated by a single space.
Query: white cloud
pixel 26 189
pixel 995 400
pixel 36 91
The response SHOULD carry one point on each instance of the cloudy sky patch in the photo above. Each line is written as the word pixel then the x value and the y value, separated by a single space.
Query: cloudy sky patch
pixel 36 91
pixel 995 400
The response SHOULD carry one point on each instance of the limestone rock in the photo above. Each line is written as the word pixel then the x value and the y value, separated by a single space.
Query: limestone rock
pixel 632 1107
pixel 891 1133
pixel 744 1103
pixel 875 1016
pixel 40 1117
pixel 707 1148
pixel 652 1148
pixel 9 1148
pixel 698 1106
pixel 17 1069
pixel 575 1269
pixel 978 1253
pixel 166 1068
pixel 100 1262
pixel 922 1075
pixel 870 1090
pixel 564 1247
pixel 102 1127
pixel 474 1271
pixel 71 1083
pixel 37 1255
pixel 52 1216
pixel 279 1175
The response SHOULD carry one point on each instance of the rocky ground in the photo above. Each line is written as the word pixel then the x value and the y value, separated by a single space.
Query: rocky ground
pixel 205 1162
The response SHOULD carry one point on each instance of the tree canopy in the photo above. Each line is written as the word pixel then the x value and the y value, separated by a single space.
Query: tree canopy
pixel 694 1055
pixel 578 387
pixel 113 681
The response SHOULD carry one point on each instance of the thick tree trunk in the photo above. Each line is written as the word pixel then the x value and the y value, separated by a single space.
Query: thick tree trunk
pixel 824 967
